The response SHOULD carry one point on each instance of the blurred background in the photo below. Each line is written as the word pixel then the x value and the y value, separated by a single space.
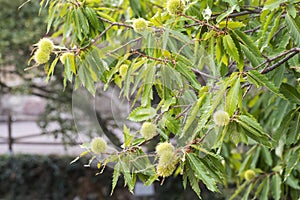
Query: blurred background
pixel 38 137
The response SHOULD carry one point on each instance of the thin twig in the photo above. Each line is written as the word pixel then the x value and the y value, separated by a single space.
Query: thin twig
pixel 101 34
pixel 203 74
pixel 202 23
pixel 252 30
pixel 150 57
pixel 183 112
pixel 268 60
pixel 115 23
pixel 269 69
pixel 117 49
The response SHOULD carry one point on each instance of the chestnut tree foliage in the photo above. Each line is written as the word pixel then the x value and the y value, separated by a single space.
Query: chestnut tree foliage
pixel 226 75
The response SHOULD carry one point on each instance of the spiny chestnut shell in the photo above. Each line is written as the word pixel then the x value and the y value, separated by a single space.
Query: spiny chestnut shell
pixel 221 118
pixel 163 148
pixel 98 145
pixel 139 25
pixel 175 6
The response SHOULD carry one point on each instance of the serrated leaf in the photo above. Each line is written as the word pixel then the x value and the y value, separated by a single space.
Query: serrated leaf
pixel 293 182
pixel 265 191
pixel 267 157
pixel 247 193
pixel 292 161
pixel 92 17
pixel 51 69
pixel 290 93
pixel 149 75
pixel 83 21
pixel 86 79
pixel 260 187
pixel 76 24
pixel 232 99
pixel 263 81
pixel 214 104
pixel 274 28
pixel 254 60
pixel 231 24
pixel 127 136
pixel 276 186
pixel 284 126
pixel 116 175
pixel 186 71
pixel 239 190
pixel 193 114
pixel 293 28
pixel 248 42
pixel 272 4
pixel 225 14
pixel 129 177
pixel 51 15
pixel 194 181
pixel 201 172
pixel 231 48
pixel 254 130
pixel 291 10
pixel 141 114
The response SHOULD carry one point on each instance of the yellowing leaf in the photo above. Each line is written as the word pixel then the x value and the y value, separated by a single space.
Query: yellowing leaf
pixel 231 24
pixel 230 48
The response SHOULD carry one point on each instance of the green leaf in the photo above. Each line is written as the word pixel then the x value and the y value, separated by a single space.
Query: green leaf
pixel 293 28
pixel 276 186
pixel 260 187
pixel 231 48
pixel 51 69
pixel 293 182
pixel 248 42
pixel 149 76
pixel 92 17
pixel 239 189
pixel 141 114
pixel 247 193
pixel 116 175
pixel 225 14
pixel 51 15
pixel 194 181
pixel 201 172
pixel 172 124
pixel 186 71
pixel 231 24
pixel 193 114
pixel 83 21
pixel 274 28
pixel 267 157
pixel 217 98
pixel 263 81
pixel 128 177
pixel 233 97
pixel 254 60
pixel 290 93
pixel 86 79
pixel 292 11
pixel 127 136
pixel 254 129
pixel 265 192
pixel 292 159
pixel 76 24
pixel 284 126
pixel 273 4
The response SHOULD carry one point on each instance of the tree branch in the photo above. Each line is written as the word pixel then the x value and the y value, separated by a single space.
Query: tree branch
pixel 296 49
pixel 269 69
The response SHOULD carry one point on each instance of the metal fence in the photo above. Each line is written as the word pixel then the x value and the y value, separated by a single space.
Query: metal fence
pixel 8 137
